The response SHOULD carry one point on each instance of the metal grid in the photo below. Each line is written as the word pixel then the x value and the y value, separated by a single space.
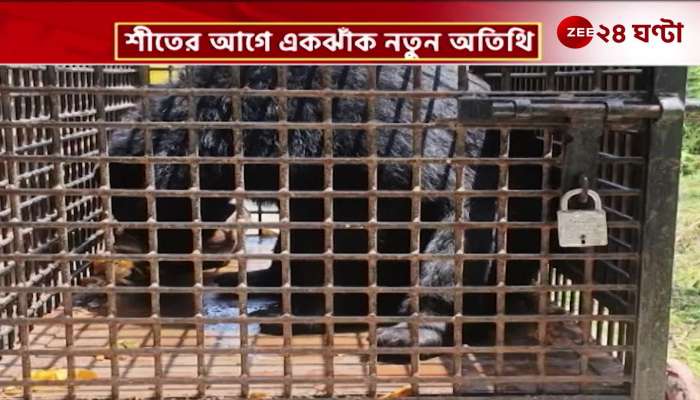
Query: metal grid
pixel 568 79
pixel 578 336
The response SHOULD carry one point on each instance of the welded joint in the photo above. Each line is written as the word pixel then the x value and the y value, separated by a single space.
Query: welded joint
pixel 614 109
pixel 672 108
pixel 523 108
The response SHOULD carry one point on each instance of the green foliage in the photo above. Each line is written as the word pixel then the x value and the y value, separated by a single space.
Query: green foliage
pixel 690 163
pixel 694 82
pixel 691 130
pixel 685 306
pixel 691 138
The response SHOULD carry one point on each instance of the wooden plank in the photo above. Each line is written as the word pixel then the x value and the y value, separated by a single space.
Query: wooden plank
pixel 308 366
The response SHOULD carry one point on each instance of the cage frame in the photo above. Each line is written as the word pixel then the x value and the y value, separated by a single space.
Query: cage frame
pixel 657 222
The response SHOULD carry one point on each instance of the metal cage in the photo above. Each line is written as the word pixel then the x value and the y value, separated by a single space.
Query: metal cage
pixel 599 325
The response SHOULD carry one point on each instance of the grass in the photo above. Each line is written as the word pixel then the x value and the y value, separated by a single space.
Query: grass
pixel 685 307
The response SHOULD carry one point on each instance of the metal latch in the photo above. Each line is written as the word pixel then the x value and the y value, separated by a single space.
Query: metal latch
pixel 585 118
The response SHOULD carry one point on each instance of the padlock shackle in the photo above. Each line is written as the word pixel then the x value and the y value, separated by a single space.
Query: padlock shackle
pixel 564 201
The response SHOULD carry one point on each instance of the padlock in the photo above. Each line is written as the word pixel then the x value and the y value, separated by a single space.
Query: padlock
pixel 581 228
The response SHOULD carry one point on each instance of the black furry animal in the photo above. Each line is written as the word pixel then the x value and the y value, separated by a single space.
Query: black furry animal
pixel 348 177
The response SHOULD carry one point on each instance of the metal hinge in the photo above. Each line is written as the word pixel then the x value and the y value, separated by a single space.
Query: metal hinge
pixel 584 117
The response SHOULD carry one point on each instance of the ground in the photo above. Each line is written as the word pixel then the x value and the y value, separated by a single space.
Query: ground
pixel 685 313
pixel 684 342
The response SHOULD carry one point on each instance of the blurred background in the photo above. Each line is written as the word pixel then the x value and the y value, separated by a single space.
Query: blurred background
pixel 685 310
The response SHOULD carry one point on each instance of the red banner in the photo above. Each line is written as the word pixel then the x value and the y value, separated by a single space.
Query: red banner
pixel 581 32
pixel 328 42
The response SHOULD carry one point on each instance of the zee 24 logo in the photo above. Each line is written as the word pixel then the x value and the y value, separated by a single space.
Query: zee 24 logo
pixel 576 32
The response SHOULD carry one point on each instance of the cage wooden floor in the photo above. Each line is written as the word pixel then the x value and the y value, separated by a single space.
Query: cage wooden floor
pixel 179 358
pixel 309 368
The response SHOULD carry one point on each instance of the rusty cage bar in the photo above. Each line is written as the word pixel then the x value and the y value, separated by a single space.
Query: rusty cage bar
pixel 80 317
